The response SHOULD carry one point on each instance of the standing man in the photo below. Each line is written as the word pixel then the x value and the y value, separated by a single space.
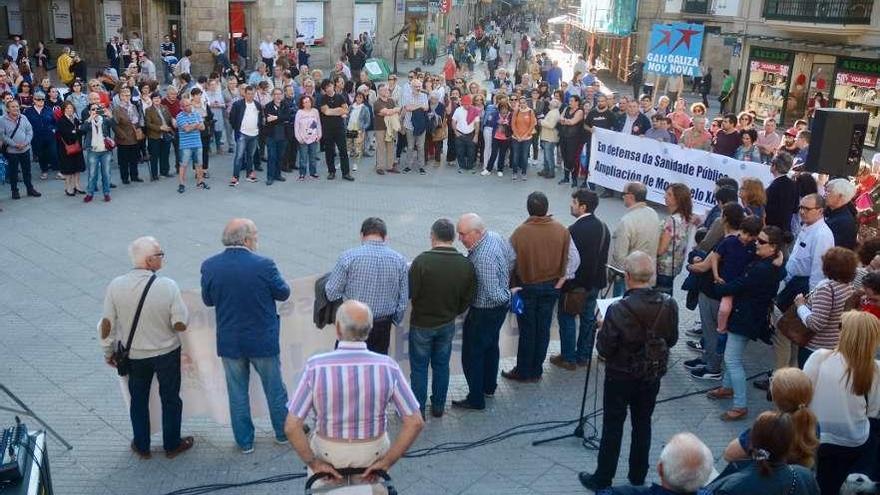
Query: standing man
pixel 442 284
pixel 169 53
pixel 220 50
pixel 727 85
pixel 636 231
pixel 466 121
pixel 17 134
pixel 334 111
pixel 768 140
pixel 15 46
pixel 267 52
pixel 633 121
pixel 189 125
pixel 840 213
pixel 384 106
pixel 415 121
pixel 636 336
pixel 493 260
pixel 246 120
pixel 277 115
pixel 728 138
pixel 241 50
pixel 349 391
pixel 112 51
pixel 376 275
pixel 592 239
pixel 545 258
pixel 243 287
pixel 782 194
pixel 636 75
pixel 152 308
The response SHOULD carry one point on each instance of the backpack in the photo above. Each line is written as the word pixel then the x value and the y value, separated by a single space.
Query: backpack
pixel 652 359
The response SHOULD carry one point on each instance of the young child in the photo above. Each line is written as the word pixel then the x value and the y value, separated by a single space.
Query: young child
pixel 730 259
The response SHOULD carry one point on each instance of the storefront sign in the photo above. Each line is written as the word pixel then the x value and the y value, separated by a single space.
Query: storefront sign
pixel 859 80
pixel 112 18
pixel 674 49
pixel 780 69
pixel 770 55
pixel 61 23
pixel 617 158
pixel 862 66
pixel 310 22
pixel 13 18
pixel 364 18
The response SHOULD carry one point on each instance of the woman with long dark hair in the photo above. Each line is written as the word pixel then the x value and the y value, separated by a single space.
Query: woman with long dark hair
pixel 571 139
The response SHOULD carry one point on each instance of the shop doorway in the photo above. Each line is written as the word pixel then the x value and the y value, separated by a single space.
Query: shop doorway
pixel 239 17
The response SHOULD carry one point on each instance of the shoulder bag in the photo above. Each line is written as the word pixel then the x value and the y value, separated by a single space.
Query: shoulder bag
pixel 71 149
pixel 120 355
pixel 3 146
pixel 791 326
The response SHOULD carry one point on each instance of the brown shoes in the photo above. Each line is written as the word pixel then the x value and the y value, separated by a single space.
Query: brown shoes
pixel 561 363
pixel 513 375
pixel 142 455
pixel 186 443
pixel 720 393
pixel 735 414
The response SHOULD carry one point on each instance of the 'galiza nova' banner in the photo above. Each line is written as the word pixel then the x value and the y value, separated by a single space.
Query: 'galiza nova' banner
pixel 617 158
pixel 675 49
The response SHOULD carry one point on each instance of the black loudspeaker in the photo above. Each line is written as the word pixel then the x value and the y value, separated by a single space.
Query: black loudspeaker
pixel 836 141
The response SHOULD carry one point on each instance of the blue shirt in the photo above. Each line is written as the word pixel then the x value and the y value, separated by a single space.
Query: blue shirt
pixel 189 139
pixel 554 76
pixel 735 257
pixel 493 259
pixel 375 275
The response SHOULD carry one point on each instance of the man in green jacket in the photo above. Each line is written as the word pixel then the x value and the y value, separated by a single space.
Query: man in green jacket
pixel 442 283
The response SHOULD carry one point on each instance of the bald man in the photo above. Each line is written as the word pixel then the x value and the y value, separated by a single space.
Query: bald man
pixel 243 287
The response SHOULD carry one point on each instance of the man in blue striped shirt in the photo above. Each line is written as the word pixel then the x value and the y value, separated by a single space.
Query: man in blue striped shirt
pixel 189 126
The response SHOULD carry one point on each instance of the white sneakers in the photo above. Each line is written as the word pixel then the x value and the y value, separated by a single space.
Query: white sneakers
pixel 500 174
pixel 485 172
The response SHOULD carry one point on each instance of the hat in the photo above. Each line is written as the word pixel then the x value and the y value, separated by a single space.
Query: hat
pixel 466 100
pixel 790 134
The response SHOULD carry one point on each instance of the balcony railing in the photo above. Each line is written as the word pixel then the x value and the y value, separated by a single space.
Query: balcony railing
pixel 820 11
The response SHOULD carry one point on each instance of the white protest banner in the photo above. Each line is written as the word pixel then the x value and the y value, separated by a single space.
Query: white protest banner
pixel 617 158
pixel 203 382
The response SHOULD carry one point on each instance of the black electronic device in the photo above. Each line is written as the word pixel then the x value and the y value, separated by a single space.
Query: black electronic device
pixel 836 141
pixel 13 452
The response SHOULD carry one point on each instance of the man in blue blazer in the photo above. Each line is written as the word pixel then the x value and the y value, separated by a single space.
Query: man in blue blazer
pixel 243 286
pixel 633 121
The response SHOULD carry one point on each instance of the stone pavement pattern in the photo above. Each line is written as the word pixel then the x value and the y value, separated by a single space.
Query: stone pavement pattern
pixel 57 256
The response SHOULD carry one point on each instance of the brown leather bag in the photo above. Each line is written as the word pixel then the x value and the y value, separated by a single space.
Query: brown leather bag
pixel 793 328
pixel 574 301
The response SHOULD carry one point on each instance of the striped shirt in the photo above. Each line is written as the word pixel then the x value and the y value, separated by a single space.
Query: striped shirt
pixel 189 139
pixel 822 313
pixel 493 259
pixel 349 390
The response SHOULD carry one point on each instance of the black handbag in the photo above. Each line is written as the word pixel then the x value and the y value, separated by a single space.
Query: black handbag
pixel 120 355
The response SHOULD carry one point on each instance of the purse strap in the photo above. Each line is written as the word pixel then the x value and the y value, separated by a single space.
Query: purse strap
pixel 137 313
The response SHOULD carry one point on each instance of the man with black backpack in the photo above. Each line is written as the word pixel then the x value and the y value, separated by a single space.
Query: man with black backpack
pixel 636 336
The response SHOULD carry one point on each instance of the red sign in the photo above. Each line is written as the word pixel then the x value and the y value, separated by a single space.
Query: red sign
pixel 445 6
pixel 858 80
pixel 770 67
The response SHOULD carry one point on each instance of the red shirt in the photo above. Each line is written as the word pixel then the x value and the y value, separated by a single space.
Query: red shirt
pixel 173 108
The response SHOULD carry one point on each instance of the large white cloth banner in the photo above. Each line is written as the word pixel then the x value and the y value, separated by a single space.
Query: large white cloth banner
pixel 203 382
pixel 617 158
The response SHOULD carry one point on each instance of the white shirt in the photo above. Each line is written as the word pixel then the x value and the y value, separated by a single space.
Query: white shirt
pixel 806 255
pixel 12 51
pixel 267 49
pixel 250 121
pixel 184 65
pixel 843 416
pixel 459 117
pixel 218 47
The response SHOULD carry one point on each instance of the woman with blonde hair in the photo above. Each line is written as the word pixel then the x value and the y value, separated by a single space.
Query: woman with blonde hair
pixel 753 196
pixel 846 381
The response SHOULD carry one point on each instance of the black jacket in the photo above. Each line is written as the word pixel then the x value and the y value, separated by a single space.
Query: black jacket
pixel 782 201
pixel 843 225
pixel 642 122
pixel 324 310
pixel 276 129
pixel 624 334
pixel 753 298
pixel 236 114
pixel 587 234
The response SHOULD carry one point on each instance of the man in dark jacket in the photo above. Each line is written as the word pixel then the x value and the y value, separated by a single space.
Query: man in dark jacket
pixel 636 336
pixel 591 238
pixel 782 195
pixel 277 116
pixel 840 213
pixel 633 121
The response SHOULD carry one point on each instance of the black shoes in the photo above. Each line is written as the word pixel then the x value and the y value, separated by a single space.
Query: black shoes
pixel 464 404
pixel 33 193
pixel 589 482
pixel 348 177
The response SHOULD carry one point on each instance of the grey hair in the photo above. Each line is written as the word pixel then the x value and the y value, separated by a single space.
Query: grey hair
pixel 639 266
pixel 142 248
pixel 352 327
pixel 638 190
pixel 473 221
pixel 842 187
pixel 554 103
pixel 238 231
pixel 687 463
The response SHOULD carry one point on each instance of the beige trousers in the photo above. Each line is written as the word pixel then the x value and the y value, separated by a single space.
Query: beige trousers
pixel 384 151
pixel 350 455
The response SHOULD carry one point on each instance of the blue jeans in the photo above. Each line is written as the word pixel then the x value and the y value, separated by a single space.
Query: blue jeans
pixel 665 283
pixel 534 327
pixel 619 287
pixel 434 346
pixel 577 347
pixel 549 157
pixel 275 149
pixel 480 353
pixel 307 157
pixel 99 163
pixel 520 157
pixel 190 156
pixel 709 324
pixel 734 372
pixel 238 379
pixel 245 147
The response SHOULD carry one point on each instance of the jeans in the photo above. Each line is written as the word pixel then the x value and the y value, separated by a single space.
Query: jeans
pixel 275 149
pixel 500 149
pixel 244 154
pixel 549 158
pixel 480 353
pixel 238 378
pixel 534 327
pixel 434 346
pixel 487 146
pixel 734 372
pixel 140 379
pixel 665 283
pixel 520 157
pixel 415 150
pixel 98 159
pixel 307 157
pixel 128 161
pixel 465 150
pixel 577 347
pixel 332 142
pixel 709 324
pixel 640 397
pixel 16 161
pixel 190 156
pixel 160 150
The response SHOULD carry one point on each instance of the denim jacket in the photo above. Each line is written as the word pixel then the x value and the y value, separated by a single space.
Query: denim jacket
pixel 86 129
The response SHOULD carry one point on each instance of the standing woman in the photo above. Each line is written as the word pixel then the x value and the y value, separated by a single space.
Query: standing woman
pixel 307 129
pixel 748 151
pixel 159 136
pixel 571 139
pixel 523 123
pixel 79 99
pixel 675 232
pixel 753 197
pixel 41 60
pixel 70 149
pixel 501 137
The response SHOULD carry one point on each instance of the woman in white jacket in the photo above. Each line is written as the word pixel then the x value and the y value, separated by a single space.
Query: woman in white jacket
pixel 549 138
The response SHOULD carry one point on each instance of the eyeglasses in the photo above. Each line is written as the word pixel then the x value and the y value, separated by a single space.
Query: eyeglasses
pixel 807 208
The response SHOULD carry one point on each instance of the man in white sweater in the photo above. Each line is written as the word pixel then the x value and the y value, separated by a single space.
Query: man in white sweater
pixel 638 230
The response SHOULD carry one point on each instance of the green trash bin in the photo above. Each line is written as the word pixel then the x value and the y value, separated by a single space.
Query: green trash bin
pixel 377 69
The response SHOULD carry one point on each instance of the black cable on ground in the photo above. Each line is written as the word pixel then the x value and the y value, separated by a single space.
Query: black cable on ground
pixel 216 487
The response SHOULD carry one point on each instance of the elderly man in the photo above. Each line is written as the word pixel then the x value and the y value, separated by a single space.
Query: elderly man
pixel 350 412
pixel 414 104
pixel 545 258
pixel 636 231
pixel 768 141
pixel 840 213
pixel 636 336
pixel 633 121
pixel 146 313
pixel 17 133
pixel 493 259
pixel 782 195
pixel 243 287
pixel 376 275
pixel 684 467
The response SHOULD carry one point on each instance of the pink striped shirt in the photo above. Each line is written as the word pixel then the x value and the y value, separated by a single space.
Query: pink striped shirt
pixel 349 390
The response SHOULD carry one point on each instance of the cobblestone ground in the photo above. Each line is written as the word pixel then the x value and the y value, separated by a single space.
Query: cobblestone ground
pixel 57 255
